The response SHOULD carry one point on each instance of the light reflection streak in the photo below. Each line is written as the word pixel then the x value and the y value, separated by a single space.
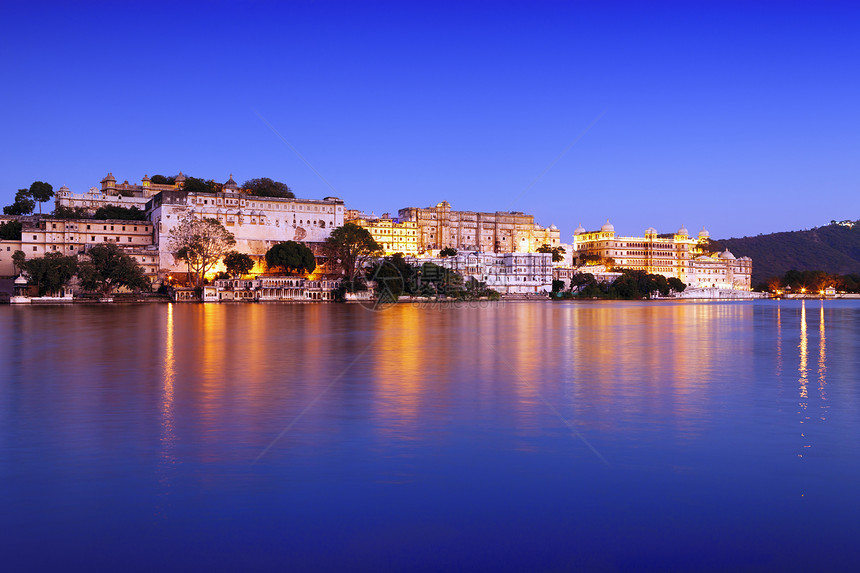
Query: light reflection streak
pixel 168 429
pixel 822 362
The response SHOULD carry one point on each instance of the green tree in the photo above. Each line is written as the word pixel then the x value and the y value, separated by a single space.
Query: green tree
pixel 676 284
pixel 63 212
pixel 117 212
pixel 162 180
pixel 41 192
pixel 238 264
pixel 18 258
pixel 557 252
pixel 51 272
pixel 349 247
pixel 291 256
pixel 200 243
pixel 107 268
pixel 11 231
pixel 448 252
pixel 196 185
pixel 23 204
pixel 265 187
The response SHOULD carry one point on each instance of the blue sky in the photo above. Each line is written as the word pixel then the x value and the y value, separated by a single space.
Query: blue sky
pixel 743 118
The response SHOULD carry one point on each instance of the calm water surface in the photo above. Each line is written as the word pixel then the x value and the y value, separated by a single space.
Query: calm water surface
pixel 597 436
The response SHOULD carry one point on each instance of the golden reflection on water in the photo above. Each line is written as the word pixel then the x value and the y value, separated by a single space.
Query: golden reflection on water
pixel 803 373
pixel 168 429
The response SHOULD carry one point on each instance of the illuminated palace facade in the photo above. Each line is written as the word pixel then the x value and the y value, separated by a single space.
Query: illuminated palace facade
pixel 672 255
pixel 440 227
pixel 257 223
pixel 392 235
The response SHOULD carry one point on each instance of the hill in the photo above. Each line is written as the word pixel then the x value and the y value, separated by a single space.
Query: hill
pixel 834 248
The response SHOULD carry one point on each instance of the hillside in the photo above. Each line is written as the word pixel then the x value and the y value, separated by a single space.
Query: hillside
pixel 834 248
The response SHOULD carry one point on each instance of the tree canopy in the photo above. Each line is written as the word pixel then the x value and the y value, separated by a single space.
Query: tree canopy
pixel 11 231
pixel 200 243
pixel 109 268
pixel 557 252
pixel 349 247
pixel 291 256
pixel 265 187
pixel 197 185
pixel 51 272
pixel 448 252
pixel 23 204
pixel 116 212
pixel 238 264
pixel 162 180
pixel 63 212
pixel 41 192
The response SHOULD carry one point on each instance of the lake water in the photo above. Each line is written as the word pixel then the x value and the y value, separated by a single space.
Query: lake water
pixel 521 436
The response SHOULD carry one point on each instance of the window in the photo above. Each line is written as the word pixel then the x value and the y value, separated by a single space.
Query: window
pixel 93 239
pixel 135 228
pixel 53 225
pixel 129 239
pixel 111 227
pixel 88 227
pixel 34 248
pixel 123 228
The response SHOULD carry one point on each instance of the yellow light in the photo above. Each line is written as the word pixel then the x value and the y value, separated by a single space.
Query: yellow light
pixel 803 290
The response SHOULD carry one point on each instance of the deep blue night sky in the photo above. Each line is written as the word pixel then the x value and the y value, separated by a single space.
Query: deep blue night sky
pixel 740 118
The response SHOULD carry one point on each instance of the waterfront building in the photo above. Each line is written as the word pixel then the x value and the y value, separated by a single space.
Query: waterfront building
pixel 268 288
pixel 676 255
pixel 506 273
pixel 257 223
pixel 76 236
pixel 392 235
pixel 440 227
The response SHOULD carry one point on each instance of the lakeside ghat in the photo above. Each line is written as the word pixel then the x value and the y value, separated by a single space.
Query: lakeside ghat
pixel 257 237
pixel 282 431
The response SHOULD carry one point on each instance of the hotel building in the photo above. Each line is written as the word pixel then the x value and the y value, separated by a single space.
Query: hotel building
pixel 392 235
pixel 124 194
pixel 672 255
pixel 507 273
pixel 440 227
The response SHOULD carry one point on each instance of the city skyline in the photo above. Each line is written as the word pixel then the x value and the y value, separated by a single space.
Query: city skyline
pixel 741 121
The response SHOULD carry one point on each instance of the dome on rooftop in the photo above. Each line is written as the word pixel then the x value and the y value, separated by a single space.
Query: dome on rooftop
pixel 230 184
pixel 650 231
pixel 109 177
pixel 553 228
pixel 579 230
pixel 180 178
pixel 704 234
pixel 727 255
pixel 683 231
pixel 607 227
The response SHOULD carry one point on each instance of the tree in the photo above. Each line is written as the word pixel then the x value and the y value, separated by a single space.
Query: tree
pixel 676 284
pixel 41 192
pixel 63 212
pixel 448 252
pixel 196 185
pixel 109 268
pixel 117 212
pixel 350 246
pixel 238 264
pixel 51 272
pixel 557 252
pixel 265 187
pixel 18 258
pixel 11 231
pixel 162 180
pixel 200 243
pixel 291 256
pixel 23 204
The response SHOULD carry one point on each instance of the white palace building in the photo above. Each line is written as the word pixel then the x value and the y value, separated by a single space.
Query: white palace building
pixel 671 255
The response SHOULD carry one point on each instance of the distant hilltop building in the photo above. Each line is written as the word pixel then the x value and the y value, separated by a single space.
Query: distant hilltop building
pixel 440 227
pixel 392 235
pixel 124 194
pixel 671 255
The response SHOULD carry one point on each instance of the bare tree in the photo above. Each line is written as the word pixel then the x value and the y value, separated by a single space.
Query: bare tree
pixel 200 243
